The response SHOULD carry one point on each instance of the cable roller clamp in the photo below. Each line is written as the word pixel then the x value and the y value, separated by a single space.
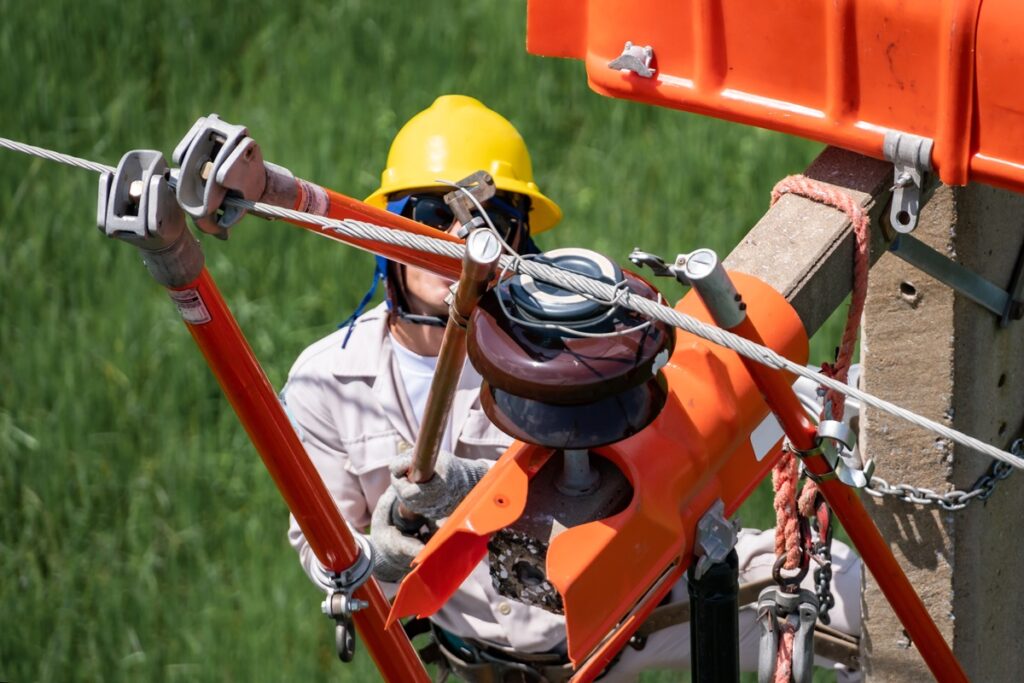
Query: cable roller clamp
pixel 340 604
pixel 136 204
pixel 217 160
pixel 775 608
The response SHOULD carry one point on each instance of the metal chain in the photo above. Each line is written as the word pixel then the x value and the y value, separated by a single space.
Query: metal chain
pixel 953 500
pixel 585 286
pixel 823 574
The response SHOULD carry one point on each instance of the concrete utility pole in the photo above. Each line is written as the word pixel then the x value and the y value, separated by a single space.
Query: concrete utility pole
pixel 941 355
pixel 945 357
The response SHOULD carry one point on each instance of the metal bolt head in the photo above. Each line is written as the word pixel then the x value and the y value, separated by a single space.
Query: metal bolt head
pixel 483 246
pixel 902 180
pixel 135 191
pixel 701 262
pixel 206 171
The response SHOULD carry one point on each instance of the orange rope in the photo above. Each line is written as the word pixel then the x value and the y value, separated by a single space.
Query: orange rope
pixel 787 533
pixel 784 659
pixel 830 195
pixel 784 475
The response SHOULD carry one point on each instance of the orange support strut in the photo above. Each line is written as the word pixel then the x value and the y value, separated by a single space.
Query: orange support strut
pixel 854 517
pixel 246 386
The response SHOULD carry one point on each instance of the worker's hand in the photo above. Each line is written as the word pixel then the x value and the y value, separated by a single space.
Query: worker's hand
pixel 394 551
pixel 453 478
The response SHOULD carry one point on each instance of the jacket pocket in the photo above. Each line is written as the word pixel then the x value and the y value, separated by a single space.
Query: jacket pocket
pixel 375 451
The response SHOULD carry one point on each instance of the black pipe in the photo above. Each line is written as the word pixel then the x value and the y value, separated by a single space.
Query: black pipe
pixel 714 622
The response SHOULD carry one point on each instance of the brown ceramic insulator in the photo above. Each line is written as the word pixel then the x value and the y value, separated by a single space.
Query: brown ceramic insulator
pixel 562 369
pixel 601 422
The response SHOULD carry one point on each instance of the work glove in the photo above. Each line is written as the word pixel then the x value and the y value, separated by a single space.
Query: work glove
pixel 394 550
pixel 453 479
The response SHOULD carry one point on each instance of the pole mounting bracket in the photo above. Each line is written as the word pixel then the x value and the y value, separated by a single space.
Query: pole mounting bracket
pixel 911 157
pixel 1007 305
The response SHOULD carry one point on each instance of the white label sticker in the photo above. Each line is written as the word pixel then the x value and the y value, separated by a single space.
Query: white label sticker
pixel 191 306
pixel 765 436
pixel 314 199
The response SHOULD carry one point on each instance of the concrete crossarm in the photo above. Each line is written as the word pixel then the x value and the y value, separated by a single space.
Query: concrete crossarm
pixel 805 249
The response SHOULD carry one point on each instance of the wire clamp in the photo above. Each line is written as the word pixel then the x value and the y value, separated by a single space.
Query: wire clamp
pixel 340 604
pixel 217 160
pixel 911 157
pixel 657 264
pixel 677 269
pixel 837 444
pixel 136 204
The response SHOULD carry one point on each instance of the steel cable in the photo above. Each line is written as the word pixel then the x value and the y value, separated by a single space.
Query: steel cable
pixel 579 284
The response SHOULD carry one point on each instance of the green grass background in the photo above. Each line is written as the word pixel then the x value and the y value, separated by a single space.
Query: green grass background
pixel 140 536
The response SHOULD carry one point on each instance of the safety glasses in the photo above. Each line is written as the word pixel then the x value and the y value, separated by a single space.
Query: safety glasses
pixel 430 209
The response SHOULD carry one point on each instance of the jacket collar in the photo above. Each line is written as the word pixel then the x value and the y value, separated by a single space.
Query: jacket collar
pixel 369 354
pixel 365 349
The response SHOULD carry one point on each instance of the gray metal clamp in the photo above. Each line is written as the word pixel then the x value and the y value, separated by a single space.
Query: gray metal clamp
pixel 839 445
pixel 635 59
pixel 340 604
pixel 775 608
pixel 219 159
pixel 911 157
pixel 136 204
pixel 716 537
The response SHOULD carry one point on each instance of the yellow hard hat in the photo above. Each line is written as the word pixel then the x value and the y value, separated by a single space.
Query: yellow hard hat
pixel 457 136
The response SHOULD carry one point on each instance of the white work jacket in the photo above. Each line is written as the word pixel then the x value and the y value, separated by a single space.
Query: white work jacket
pixel 354 418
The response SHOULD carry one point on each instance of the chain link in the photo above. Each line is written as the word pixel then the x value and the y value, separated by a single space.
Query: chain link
pixel 952 500
pixel 822 550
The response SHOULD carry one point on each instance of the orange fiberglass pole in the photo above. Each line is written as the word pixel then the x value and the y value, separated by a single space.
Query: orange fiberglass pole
pixel 137 205
pixel 850 511
pixel 246 386
pixel 717 292
pixel 317 200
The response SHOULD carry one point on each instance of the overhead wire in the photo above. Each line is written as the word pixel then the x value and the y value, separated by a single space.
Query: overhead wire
pixel 579 284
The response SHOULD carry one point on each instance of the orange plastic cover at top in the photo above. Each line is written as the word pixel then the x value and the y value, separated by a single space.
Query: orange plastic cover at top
pixel 843 72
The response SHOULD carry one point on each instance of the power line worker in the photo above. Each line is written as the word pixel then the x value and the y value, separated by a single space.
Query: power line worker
pixel 357 398
pixel 358 395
